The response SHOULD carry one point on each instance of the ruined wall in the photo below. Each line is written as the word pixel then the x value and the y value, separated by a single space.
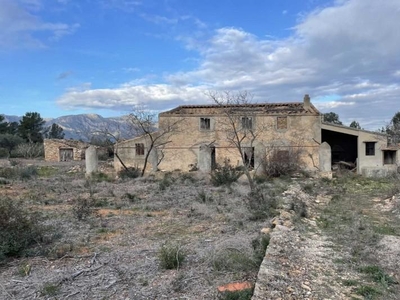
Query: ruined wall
pixel 302 133
pixel 52 149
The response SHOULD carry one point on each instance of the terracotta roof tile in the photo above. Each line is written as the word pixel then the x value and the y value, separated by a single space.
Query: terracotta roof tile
pixel 291 108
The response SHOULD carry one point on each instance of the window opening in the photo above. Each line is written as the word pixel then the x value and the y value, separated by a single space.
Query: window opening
pixel 139 149
pixel 247 123
pixel 205 123
pixel 370 148
pixel 389 157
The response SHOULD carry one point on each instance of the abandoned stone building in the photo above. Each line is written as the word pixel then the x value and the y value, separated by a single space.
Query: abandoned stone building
pixel 64 150
pixel 200 137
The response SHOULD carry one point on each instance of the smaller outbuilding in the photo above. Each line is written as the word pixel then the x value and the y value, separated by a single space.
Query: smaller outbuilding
pixel 64 150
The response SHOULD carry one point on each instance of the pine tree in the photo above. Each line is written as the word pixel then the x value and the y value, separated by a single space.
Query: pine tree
pixel 30 127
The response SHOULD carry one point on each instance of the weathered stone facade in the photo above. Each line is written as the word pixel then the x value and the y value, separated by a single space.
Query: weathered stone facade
pixel 203 138
pixel 284 127
pixel 64 150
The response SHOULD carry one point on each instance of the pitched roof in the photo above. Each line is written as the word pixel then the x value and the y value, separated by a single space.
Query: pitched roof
pixel 289 108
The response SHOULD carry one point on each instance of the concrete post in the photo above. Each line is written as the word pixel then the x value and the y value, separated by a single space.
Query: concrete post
pixel 325 160
pixel 91 160
pixel 204 159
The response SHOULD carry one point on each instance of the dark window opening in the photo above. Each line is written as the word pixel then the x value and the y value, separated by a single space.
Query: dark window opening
pixel 139 149
pixel 205 123
pixel 370 148
pixel 248 153
pixel 247 123
pixel 282 155
pixel 389 157
pixel 281 123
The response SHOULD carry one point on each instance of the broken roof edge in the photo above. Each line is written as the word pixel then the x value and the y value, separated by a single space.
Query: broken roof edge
pixel 298 107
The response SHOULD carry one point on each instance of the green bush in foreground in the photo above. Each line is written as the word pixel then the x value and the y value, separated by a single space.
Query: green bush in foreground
pixel 171 256
pixel 225 175
pixel 18 228
pixel 245 294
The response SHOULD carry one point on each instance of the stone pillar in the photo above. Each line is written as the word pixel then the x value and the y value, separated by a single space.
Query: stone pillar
pixel 259 157
pixel 325 160
pixel 91 160
pixel 153 159
pixel 204 159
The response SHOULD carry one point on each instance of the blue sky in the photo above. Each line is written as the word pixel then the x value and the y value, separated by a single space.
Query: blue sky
pixel 62 57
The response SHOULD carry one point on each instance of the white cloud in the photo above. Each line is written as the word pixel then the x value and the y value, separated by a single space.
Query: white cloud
pixel 19 22
pixel 156 96
pixel 349 49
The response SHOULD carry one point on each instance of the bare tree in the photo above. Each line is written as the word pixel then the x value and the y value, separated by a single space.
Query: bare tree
pixel 239 124
pixel 143 123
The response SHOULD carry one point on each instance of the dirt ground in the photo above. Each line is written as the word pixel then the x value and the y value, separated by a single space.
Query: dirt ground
pixel 113 252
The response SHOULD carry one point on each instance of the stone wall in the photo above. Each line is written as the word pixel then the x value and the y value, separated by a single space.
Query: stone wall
pixel 182 151
pixel 52 149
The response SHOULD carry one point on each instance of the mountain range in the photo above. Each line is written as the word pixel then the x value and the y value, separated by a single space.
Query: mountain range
pixel 85 126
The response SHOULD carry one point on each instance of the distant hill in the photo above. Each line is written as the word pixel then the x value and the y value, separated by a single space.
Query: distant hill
pixel 84 126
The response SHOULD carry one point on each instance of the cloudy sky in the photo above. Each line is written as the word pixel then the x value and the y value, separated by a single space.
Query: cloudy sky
pixel 61 57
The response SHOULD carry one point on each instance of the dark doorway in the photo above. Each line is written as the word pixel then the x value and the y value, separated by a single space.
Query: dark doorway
pixel 343 146
pixel 248 153
pixel 213 160
pixel 66 154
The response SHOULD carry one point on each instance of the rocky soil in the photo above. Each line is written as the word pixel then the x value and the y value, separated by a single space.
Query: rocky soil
pixel 114 252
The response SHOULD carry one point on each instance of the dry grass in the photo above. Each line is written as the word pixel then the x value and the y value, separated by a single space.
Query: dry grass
pixel 110 235
pixel 115 251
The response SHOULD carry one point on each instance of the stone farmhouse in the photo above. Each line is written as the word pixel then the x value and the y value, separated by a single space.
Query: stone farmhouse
pixel 200 137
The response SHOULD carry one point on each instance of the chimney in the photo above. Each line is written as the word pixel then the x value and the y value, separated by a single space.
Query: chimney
pixel 307 103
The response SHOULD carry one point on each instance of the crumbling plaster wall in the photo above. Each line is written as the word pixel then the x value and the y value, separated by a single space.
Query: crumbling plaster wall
pixel 303 132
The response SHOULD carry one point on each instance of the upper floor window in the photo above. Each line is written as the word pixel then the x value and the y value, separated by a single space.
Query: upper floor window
pixel 205 123
pixel 370 148
pixel 139 149
pixel 281 123
pixel 247 123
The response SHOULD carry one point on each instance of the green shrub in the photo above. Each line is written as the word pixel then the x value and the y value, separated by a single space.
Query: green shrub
pixel 82 208
pixel 131 197
pixel 4 153
pixel 187 177
pixel 129 173
pixel 232 259
pixel 46 171
pixel 225 175
pixel 245 294
pixel 261 204
pixel 22 173
pixel 378 275
pixel 166 181
pixel 50 289
pixel 171 256
pixel 203 197
pixel 28 172
pixel 18 228
pixel 4 181
pixel 260 246
pixel 367 291
pixel 99 177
